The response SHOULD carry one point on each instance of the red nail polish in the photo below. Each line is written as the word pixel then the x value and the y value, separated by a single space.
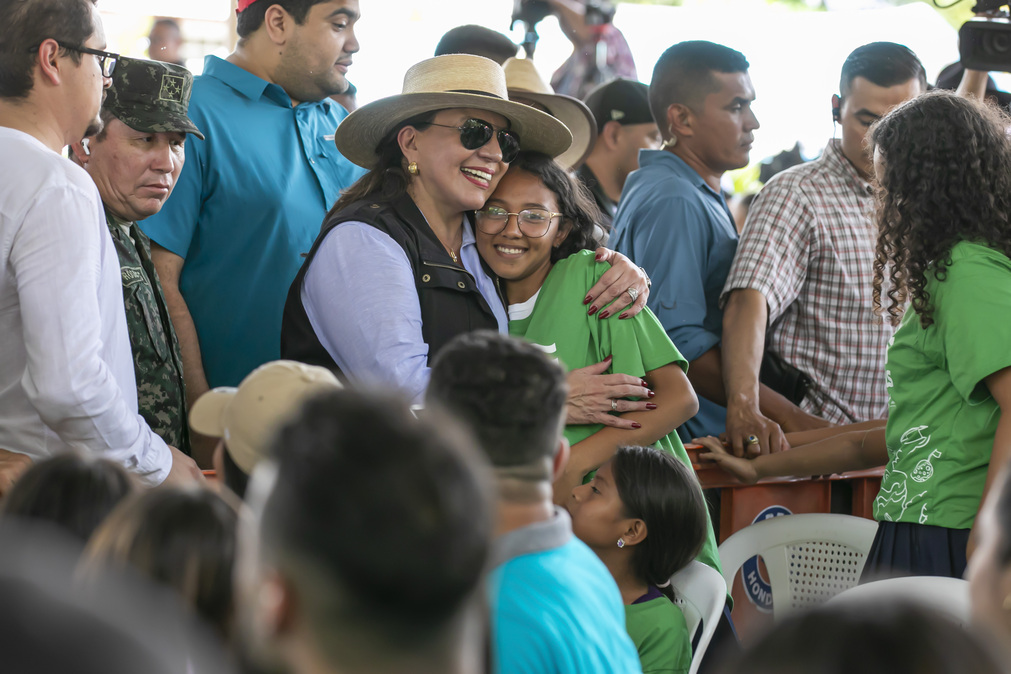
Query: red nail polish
pixel 604 314
pixel 651 394
pixel 645 384
pixel 636 424
pixel 587 299
pixel 598 257
pixel 651 406
pixel 608 359
pixel 624 315
pixel 592 310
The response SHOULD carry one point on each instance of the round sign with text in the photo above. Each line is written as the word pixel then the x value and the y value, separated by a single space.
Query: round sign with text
pixel 756 585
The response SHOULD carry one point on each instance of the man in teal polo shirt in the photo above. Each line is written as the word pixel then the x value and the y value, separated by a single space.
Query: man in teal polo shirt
pixel 251 196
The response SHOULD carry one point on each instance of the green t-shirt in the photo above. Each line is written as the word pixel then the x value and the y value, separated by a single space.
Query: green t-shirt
pixel 942 419
pixel 556 321
pixel 660 634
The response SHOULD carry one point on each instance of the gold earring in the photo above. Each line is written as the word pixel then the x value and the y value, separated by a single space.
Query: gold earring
pixel 412 168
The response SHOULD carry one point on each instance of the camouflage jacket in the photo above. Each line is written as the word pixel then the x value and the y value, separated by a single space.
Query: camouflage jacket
pixel 161 393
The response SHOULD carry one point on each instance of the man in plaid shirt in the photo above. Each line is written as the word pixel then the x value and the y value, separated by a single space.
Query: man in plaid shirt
pixel 800 283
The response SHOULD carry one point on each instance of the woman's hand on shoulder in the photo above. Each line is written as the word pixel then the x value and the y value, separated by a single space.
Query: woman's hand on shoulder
pixel 623 289
pixel 593 395
pixel 742 469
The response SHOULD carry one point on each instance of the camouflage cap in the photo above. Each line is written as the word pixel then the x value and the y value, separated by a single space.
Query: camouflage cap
pixel 151 96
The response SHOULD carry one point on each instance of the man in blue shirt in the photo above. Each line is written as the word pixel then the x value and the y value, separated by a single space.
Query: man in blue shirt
pixel 554 605
pixel 673 219
pixel 250 199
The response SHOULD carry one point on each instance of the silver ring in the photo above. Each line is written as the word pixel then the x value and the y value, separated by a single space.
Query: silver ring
pixel 752 439
pixel 633 293
pixel 614 405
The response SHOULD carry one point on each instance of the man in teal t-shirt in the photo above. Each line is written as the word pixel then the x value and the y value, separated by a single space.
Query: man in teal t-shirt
pixel 553 605
pixel 251 198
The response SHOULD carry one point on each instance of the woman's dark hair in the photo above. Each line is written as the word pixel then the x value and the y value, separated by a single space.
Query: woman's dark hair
pixel 873 637
pixel 388 179
pixel 664 493
pixel 183 538
pixel 574 201
pixel 72 491
pixel 947 178
pixel 26 24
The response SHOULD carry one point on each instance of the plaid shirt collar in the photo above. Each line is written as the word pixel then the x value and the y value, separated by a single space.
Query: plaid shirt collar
pixel 835 158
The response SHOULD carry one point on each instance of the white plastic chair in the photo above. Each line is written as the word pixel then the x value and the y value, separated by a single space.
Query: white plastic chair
pixel 946 595
pixel 810 557
pixel 700 593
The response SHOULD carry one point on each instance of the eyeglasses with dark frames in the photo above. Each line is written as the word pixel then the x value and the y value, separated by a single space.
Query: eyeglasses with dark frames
pixel 475 133
pixel 532 222
pixel 106 60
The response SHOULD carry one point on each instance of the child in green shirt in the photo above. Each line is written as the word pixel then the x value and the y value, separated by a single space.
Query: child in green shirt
pixel 536 234
pixel 943 165
pixel 644 515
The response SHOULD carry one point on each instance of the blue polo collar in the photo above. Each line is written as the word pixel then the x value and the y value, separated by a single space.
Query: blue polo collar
pixel 677 165
pixel 248 84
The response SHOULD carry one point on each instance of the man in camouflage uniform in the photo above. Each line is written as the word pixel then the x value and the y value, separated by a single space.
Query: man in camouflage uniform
pixel 135 162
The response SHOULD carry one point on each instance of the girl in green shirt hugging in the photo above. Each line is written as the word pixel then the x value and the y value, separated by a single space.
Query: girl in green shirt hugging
pixel 644 515
pixel 943 167
pixel 536 234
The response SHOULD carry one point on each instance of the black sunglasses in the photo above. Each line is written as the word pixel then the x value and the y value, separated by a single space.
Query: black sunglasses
pixel 106 60
pixel 475 133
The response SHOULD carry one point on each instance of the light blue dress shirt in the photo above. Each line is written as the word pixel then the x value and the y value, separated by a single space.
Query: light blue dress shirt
pixel 249 202
pixel 679 229
pixel 362 272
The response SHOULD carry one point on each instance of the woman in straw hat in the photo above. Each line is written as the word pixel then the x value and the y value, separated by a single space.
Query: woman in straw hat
pixel 394 274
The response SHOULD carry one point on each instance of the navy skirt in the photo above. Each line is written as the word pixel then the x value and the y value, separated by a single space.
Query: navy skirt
pixel 908 549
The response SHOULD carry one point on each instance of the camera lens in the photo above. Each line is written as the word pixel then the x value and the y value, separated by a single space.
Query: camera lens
pixel 996 43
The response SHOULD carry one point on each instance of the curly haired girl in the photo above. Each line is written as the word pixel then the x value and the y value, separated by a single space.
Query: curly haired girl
pixel 943 165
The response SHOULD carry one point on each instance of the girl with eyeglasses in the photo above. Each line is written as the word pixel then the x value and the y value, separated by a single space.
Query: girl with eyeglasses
pixel 394 274
pixel 535 232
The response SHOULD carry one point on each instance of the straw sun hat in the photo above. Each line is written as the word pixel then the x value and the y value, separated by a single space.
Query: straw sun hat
pixel 525 83
pixel 449 81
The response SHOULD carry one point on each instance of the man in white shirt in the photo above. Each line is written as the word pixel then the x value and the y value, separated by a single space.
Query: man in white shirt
pixel 66 375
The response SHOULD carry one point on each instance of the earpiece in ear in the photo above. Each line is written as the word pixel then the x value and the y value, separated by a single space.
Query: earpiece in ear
pixel 836 105
pixel 84 144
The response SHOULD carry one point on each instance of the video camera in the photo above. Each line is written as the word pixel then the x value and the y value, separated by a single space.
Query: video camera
pixel 984 43
pixel 531 12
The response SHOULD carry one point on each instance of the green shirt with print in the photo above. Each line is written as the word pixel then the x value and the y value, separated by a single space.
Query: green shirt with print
pixel 556 321
pixel 942 418
pixel 660 633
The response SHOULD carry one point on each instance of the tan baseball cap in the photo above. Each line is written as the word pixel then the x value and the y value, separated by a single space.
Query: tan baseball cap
pixel 525 83
pixel 248 416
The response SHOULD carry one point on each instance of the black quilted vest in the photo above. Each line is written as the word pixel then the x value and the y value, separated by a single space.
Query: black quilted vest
pixel 450 301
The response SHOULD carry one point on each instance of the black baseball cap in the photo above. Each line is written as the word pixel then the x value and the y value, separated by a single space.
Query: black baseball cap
pixel 621 100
